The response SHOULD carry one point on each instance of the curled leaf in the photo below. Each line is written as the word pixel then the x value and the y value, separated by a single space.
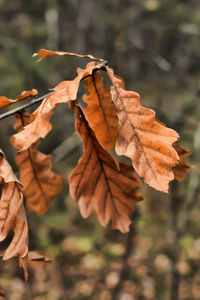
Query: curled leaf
pixel 40 184
pixel 4 101
pixel 44 53
pixel 100 111
pixel 100 184
pixel 12 214
pixel 180 170
pixel 143 139
pixel 40 124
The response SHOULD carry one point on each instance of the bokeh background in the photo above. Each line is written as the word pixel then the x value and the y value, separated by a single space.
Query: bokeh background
pixel 154 45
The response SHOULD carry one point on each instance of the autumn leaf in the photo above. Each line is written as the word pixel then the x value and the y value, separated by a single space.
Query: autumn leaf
pixel 40 184
pixel 143 139
pixel 4 101
pixel 12 215
pixel 44 53
pixel 180 170
pixel 100 184
pixel 40 125
pixel 100 111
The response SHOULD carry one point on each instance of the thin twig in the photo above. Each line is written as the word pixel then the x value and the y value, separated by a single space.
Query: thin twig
pixel 38 100
pixel 22 107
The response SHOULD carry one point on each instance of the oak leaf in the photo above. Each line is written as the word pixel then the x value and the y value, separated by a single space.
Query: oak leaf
pixel 100 184
pixel 12 215
pixel 4 101
pixel 40 184
pixel 143 139
pixel 44 53
pixel 180 170
pixel 40 124
pixel 100 111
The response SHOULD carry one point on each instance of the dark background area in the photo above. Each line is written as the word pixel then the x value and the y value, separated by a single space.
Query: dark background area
pixel 154 45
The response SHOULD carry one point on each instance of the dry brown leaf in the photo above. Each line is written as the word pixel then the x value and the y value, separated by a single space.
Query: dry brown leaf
pixel 4 101
pixel 44 53
pixel 100 111
pixel 40 184
pixel 180 171
pixel 146 141
pixel 12 214
pixel 100 184
pixel 40 125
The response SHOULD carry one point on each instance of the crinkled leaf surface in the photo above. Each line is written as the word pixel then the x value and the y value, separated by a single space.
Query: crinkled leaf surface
pixel 40 125
pixel 143 139
pixel 12 214
pixel 100 111
pixel 4 101
pixel 40 184
pixel 100 184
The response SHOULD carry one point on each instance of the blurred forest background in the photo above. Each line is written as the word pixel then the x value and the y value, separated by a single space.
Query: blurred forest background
pixel 154 45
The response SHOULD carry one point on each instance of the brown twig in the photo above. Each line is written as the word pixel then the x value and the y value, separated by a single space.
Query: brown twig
pixel 38 100
pixel 22 107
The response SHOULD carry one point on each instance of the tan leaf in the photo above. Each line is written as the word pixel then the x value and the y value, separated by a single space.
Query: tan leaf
pixel 100 184
pixel 44 53
pixel 100 111
pixel 146 141
pixel 180 170
pixel 40 184
pixel 40 125
pixel 12 214
pixel 4 101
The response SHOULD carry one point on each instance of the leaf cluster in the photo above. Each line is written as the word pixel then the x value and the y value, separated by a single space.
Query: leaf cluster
pixel 114 117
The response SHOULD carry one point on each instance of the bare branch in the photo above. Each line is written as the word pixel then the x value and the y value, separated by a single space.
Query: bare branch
pixel 38 100
pixel 22 107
